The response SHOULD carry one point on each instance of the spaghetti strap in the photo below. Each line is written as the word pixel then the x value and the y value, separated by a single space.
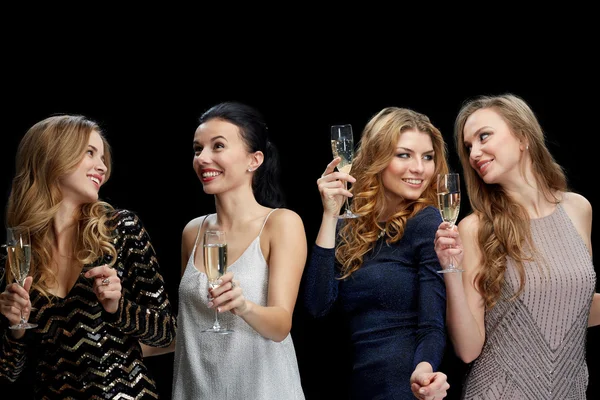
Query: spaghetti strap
pixel 265 221
pixel 198 234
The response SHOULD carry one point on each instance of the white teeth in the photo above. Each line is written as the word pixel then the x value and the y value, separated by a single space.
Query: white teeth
pixel 414 181
pixel 210 174
pixel 96 180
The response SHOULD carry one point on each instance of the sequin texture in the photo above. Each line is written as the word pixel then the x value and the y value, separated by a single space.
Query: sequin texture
pixel 83 352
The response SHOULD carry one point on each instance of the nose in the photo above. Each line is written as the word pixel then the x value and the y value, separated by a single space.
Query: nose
pixel 203 158
pixel 101 167
pixel 475 153
pixel 417 166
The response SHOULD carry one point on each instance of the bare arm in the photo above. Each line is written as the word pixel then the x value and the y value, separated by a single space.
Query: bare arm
pixel 465 307
pixel 287 257
pixel 594 319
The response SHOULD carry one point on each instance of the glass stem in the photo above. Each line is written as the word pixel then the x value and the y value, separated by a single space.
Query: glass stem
pixel 23 320
pixel 216 324
pixel 346 201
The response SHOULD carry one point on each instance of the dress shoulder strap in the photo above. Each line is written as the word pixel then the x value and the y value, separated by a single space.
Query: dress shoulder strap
pixel 199 230
pixel 265 221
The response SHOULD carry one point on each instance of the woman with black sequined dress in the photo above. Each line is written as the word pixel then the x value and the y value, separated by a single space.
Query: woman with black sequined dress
pixel 95 289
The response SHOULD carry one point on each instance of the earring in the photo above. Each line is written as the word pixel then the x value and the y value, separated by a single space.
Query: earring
pixel 250 170
pixel 527 147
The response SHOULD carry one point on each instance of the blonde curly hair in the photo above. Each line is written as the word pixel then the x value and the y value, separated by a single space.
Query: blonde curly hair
pixel 376 149
pixel 50 150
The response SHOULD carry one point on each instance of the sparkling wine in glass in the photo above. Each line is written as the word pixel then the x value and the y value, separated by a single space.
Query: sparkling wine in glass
pixel 448 191
pixel 215 264
pixel 342 145
pixel 18 247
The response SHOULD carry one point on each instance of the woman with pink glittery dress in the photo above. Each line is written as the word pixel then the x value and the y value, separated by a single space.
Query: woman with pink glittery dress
pixel 519 312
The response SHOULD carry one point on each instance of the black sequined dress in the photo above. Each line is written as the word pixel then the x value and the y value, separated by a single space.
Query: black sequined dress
pixel 82 352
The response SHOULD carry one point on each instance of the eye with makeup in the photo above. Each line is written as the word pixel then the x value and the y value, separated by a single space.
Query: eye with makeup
pixel 483 136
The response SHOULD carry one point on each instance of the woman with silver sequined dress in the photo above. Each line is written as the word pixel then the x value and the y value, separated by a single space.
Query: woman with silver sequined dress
pixel 266 251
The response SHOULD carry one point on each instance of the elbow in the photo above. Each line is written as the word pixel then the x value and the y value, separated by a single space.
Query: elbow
pixel 468 356
pixel 467 352
pixel 279 336
pixel 281 330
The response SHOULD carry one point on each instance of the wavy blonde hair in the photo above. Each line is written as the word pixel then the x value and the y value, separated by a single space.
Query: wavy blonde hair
pixel 50 150
pixel 504 228
pixel 376 149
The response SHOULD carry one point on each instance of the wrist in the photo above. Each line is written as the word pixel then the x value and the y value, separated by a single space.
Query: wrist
pixel 244 310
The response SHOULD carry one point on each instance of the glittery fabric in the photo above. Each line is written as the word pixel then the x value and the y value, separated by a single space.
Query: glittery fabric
pixel 240 366
pixel 83 352
pixel 535 346
pixel 394 304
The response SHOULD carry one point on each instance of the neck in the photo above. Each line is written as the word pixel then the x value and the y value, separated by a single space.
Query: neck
pixel 236 209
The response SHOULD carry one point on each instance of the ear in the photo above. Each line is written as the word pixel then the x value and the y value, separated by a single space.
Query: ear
pixel 256 160
pixel 523 145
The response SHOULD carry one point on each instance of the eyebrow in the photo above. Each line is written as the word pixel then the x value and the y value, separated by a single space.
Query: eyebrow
pixel 412 151
pixel 477 132
pixel 213 139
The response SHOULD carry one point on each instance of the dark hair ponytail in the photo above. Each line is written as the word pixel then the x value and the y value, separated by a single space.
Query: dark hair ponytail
pixel 255 133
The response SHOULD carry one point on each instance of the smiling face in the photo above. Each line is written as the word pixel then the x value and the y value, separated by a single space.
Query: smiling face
pixel 494 151
pixel 221 157
pixel 81 186
pixel 411 169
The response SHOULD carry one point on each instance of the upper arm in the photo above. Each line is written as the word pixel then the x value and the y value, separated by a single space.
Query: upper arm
pixel 472 258
pixel 287 258
pixel 188 239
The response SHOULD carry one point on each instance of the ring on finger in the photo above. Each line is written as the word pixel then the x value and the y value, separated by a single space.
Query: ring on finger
pixel 106 281
pixel 233 285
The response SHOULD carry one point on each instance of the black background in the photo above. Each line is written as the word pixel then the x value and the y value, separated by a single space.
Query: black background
pixel 147 98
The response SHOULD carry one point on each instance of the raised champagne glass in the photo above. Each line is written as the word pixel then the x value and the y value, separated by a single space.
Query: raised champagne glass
pixel 215 264
pixel 18 247
pixel 342 145
pixel 448 191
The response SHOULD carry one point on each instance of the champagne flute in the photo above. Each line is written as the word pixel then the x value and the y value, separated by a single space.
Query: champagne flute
pixel 215 264
pixel 18 247
pixel 342 145
pixel 448 191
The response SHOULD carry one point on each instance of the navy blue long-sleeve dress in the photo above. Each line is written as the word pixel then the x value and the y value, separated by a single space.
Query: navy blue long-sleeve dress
pixel 395 307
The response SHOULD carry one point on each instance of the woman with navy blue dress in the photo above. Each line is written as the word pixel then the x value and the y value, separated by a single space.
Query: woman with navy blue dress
pixel 381 268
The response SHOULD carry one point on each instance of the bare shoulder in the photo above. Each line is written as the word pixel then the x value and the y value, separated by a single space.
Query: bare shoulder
pixel 192 226
pixel 579 210
pixel 469 225
pixel 283 219
pixel 190 232
pixel 576 205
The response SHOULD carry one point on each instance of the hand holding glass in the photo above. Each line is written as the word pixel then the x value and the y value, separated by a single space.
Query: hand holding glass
pixel 18 247
pixel 342 145
pixel 448 190
pixel 215 265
